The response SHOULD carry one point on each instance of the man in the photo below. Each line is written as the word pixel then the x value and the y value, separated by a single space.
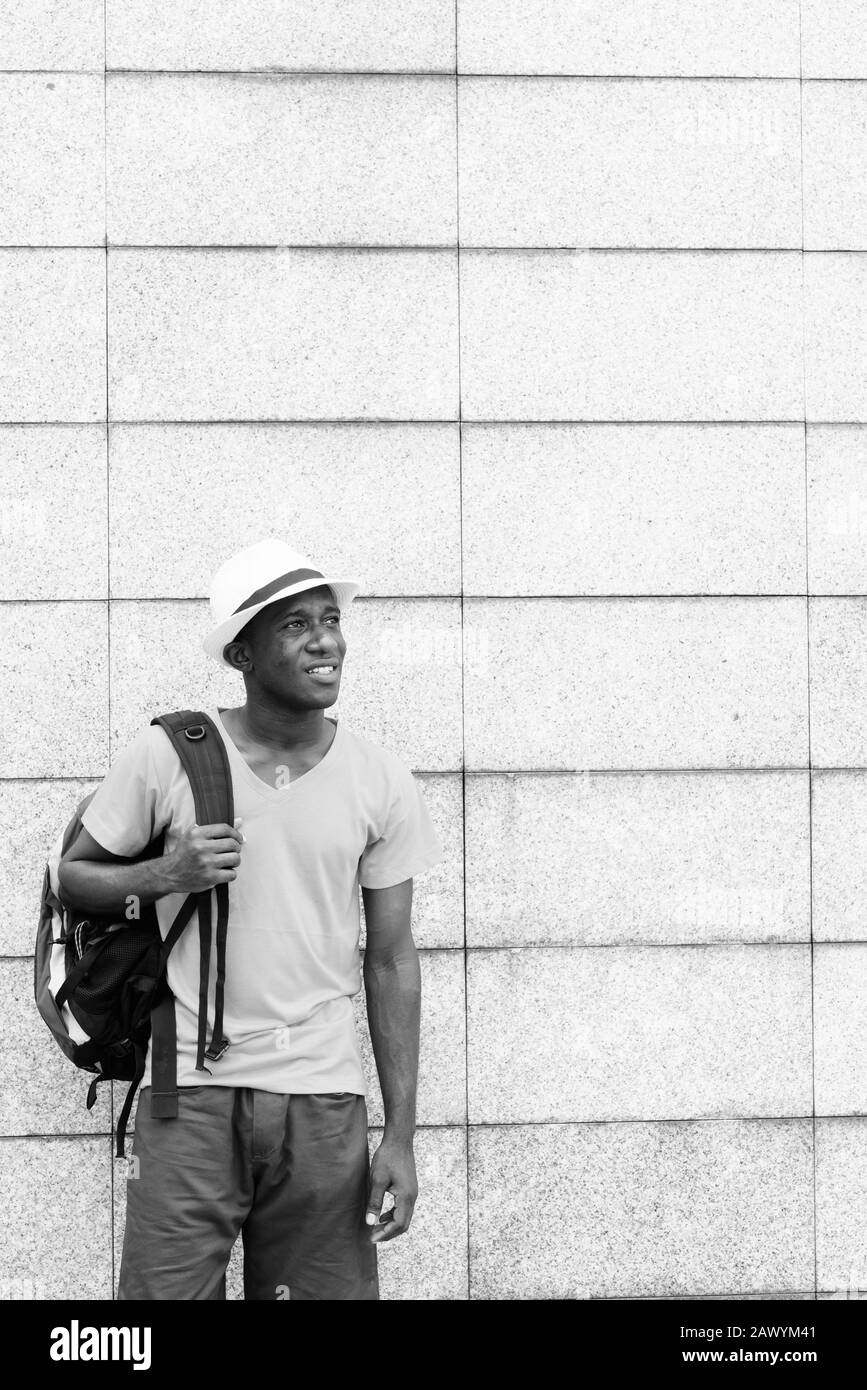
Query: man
pixel 271 1139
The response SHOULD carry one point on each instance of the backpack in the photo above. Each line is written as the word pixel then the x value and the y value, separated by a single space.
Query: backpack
pixel 100 979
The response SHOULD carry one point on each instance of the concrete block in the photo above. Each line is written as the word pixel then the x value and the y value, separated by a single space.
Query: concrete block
pixel 41 1177
pixel 693 335
pixel 643 858
pixel 835 355
pixel 837 508
pixel 839 867
pixel 32 816
pixel 57 34
pixel 841 1208
pixel 442 1098
pixel 402 688
pixel 380 503
pixel 51 473
pixel 573 162
pixel 393 35
pixel 659 683
pixel 834 38
pixel 690 38
pixel 42 1092
pixel 56 697
pixel 52 335
pixel 641 1210
pixel 835 165
pixel 276 334
pixel 838 669
pixel 633 509
pixel 839 982
pixel 226 160
pixel 52 139
pixel 638 1033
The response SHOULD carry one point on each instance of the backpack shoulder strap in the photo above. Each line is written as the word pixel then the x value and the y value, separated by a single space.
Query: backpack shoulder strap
pixel 203 754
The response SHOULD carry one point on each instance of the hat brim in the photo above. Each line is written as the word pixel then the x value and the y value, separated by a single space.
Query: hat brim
pixel 344 591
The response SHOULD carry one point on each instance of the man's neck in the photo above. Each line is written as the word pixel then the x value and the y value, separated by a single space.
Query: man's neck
pixel 274 727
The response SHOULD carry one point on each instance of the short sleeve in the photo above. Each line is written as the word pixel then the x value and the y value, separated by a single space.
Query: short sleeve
pixel 127 810
pixel 408 843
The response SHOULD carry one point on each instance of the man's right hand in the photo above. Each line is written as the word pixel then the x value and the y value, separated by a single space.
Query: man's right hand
pixel 204 856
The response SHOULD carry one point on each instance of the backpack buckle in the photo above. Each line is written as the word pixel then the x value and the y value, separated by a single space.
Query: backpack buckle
pixel 216 1050
pixel 195 731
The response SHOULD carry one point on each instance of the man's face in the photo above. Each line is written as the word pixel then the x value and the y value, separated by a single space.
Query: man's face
pixel 289 640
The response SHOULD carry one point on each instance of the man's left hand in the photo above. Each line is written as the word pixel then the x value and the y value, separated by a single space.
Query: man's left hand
pixel 392 1169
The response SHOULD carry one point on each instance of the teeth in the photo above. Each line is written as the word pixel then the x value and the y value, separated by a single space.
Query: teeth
pixel 314 669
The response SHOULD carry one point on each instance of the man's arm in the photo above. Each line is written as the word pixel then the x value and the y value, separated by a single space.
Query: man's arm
pixel 392 981
pixel 92 878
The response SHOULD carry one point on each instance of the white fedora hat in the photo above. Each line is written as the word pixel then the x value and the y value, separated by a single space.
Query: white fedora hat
pixel 256 576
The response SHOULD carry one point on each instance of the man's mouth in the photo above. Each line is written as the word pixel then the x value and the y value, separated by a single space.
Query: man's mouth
pixel 326 671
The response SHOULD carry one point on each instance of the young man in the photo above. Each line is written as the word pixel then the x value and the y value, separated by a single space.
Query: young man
pixel 271 1139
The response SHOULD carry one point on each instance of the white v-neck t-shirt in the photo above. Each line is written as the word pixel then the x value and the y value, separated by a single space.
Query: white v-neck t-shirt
pixel 292 957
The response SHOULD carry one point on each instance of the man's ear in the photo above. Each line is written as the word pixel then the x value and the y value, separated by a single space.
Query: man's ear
pixel 239 656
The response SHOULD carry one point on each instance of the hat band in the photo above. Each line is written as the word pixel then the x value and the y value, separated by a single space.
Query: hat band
pixel 261 595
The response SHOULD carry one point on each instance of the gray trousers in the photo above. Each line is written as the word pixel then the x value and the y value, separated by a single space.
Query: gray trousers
pixel 289 1172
